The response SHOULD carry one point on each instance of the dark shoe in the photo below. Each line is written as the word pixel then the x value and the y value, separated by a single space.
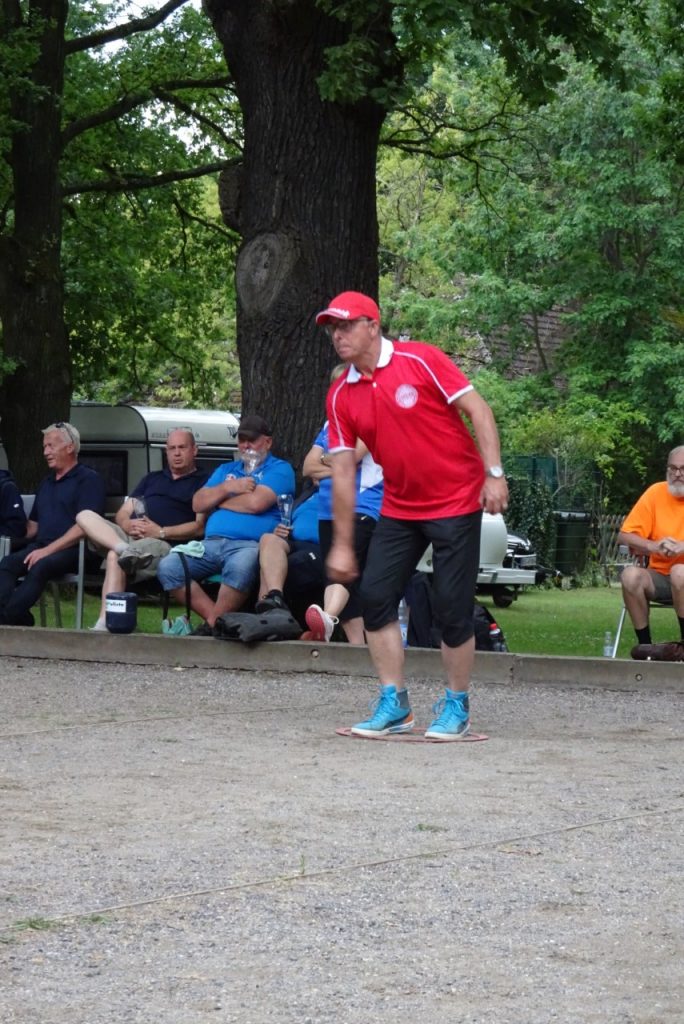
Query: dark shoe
pixel 131 560
pixel 271 602
pixel 204 630
pixel 672 651
pixel 23 619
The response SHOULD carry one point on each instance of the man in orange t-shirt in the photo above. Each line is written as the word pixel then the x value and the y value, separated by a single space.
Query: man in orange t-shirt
pixel 655 528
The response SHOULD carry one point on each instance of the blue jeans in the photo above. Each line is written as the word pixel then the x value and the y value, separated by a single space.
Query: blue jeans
pixel 237 561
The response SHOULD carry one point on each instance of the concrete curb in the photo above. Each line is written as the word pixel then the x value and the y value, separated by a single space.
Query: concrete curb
pixel 332 659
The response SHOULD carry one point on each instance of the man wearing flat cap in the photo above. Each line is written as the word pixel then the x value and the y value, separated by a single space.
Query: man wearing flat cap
pixel 240 500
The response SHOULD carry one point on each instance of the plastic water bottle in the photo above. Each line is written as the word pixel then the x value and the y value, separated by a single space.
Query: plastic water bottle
pixel 608 644
pixel 403 621
pixel 496 640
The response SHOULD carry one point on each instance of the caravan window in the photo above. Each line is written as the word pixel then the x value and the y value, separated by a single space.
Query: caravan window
pixel 208 461
pixel 112 466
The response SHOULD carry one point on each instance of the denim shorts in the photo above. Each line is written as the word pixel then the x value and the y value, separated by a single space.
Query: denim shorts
pixel 237 562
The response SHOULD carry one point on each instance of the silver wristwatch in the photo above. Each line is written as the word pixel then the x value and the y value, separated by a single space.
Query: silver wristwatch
pixel 496 471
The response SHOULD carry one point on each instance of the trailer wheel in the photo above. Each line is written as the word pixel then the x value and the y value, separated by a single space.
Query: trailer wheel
pixel 503 597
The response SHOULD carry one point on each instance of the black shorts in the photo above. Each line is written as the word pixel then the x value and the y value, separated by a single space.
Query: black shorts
pixel 364 525
pixel 396 548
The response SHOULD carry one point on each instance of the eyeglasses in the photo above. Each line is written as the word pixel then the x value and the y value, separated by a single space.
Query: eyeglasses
pixel 68 428
pixel 675 471
pixel 344 326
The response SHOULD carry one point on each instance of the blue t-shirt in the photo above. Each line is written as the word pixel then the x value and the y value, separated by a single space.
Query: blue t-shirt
pixel 168 501
pixel 305 520
pixel 369 485
pixel 58 501
pixel 274 473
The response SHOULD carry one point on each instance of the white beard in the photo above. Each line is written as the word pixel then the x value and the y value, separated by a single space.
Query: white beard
pixel 676 490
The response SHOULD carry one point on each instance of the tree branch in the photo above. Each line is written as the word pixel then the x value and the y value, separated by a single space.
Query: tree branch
pixel 128 28
pixel 202 119
pixel 122 182
pixel 184 214
pixel 137 99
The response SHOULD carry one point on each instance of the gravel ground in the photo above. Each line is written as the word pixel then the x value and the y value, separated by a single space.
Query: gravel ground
pixel 200 847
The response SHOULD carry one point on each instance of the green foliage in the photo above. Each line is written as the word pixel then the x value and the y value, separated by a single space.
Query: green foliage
pixel 151 327
pixel 574 207
pixel 389 44
pixel 146 267
pixel 146 287
pixel 530 512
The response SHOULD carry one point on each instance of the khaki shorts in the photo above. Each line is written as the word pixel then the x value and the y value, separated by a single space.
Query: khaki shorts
pixel 158 548
pixel 661 585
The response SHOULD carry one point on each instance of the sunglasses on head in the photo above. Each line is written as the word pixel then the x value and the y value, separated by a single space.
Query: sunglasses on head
pixel 68 428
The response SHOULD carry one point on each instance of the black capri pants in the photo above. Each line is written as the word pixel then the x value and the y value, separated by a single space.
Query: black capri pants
pixel 364 525
pixel 396 548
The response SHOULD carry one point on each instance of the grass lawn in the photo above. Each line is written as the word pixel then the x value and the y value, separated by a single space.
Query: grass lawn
pixel 563 622
pixel 573 622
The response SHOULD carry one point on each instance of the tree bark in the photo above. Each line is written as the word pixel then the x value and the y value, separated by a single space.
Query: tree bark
pixel 38 391
pixel 303 202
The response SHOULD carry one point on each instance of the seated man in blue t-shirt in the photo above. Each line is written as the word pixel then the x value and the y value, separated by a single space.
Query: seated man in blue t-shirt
pixel 52 533
pixel 154 517
pixel 291 557
pixel 240 500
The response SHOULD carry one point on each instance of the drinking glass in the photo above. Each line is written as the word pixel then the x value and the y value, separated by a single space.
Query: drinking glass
pixel 251 459
pixel 285 503
pixel 139 509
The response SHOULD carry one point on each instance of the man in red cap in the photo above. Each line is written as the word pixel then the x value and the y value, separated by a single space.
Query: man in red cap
pixel 406 401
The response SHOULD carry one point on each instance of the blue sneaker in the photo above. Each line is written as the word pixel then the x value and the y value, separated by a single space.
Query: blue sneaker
pixel 453 721
pixel 391 713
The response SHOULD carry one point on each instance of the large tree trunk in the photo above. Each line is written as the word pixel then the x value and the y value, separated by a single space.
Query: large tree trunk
pixel 303 201
pixel 38 391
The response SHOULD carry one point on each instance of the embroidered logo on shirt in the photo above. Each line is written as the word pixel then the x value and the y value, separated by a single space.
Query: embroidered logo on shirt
pixel 406 396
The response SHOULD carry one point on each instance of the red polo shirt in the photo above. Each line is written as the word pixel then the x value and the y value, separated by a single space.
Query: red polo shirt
pixel 405 416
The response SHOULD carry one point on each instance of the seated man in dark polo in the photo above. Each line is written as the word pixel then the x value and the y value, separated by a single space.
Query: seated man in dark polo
pixel 240 500
pixel 52 532
pixel 157 515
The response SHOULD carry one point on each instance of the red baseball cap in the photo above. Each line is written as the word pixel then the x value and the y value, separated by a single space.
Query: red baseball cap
pixel 349 306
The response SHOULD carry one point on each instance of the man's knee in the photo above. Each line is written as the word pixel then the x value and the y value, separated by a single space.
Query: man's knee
pixel 84 518
pixel 677 578
pixel 170 572
pixel 269 544
pixel 378 607
pixel 458 631
pixel 635 580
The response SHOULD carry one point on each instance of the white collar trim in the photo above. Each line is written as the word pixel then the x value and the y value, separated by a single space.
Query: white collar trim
pixel 386 350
